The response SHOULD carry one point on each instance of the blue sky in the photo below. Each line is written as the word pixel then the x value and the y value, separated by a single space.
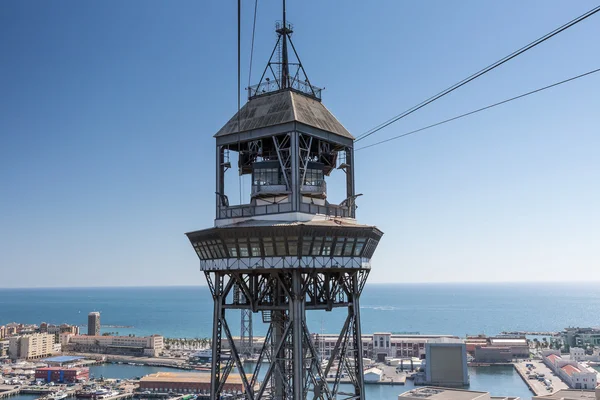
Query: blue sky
pixel 108 110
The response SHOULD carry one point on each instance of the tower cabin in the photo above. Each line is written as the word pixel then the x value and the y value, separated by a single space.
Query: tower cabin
pixel 289 143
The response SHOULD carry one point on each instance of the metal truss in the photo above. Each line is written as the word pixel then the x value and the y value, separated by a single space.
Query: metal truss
pixel 246 336
pixel 294 370
pixel 284 155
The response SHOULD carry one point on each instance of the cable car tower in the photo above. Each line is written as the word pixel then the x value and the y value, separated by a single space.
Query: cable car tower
pixel 289 250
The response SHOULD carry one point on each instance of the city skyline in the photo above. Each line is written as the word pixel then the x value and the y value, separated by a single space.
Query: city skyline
pixel 108 159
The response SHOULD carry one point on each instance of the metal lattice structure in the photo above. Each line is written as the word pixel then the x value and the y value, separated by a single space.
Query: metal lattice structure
pixel 289 250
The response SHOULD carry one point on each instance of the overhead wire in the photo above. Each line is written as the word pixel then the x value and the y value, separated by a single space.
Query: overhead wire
pixel 239 88
pixel 479 109
pixel 479 73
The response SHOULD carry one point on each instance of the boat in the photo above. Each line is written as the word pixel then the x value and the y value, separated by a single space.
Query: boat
pixel 57 396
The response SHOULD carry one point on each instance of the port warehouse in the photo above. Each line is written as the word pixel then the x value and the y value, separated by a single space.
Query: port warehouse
pixel 186 382
pixel 497 349
pixel 124 345
pixel 574 374
pixel 62 375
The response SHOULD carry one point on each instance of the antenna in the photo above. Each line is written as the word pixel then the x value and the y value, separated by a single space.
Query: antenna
pixel 279 66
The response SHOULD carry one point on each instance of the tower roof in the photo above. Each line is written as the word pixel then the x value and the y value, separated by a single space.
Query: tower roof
pixel 281 107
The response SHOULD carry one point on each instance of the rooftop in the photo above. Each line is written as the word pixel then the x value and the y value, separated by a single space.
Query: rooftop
pixel 553 358
pixel 570 370
pixel 194 377
pixel 436 393
pixel 62 359
pixel 569 394
pixel 279 108
pixel 507 341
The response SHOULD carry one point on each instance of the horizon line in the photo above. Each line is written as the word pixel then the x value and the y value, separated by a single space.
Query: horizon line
pixel 368 283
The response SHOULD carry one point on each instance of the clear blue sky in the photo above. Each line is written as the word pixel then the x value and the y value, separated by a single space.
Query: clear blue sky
pixel 107 111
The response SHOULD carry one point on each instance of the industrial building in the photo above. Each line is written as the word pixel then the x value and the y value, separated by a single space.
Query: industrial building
pixel 438 393
pixel 150 346
pixel 502 349
pixel 62 375
pixel 93 328
pixel 31 347
pixel 574 374
pixel 446 364
pixel 187 382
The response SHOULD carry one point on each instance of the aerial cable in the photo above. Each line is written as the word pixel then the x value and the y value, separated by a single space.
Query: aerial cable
pixel 239 88
pixel 479 73
pixel 479 109
pixel 252 45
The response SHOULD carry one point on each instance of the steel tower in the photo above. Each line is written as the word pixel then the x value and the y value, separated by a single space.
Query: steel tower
pixel 289 250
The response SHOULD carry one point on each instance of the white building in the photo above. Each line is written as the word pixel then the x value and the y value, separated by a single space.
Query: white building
pixel 382 345
pixel 577 354
pixel 373 375
pixel 574 374
pixel 143 345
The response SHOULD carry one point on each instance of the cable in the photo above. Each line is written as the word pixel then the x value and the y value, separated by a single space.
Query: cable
pixel 479 73
pixel 239 87
pixel 252 46
pixel 480 109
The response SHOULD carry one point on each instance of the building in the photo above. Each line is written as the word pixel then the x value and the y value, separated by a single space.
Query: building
pixel 187 382
pixel 493 354
pixel 446 364
pixel 438 393
pixel 473 341
pixel 378 345
pixel 373 375
pixel 31 347
pixel 574 374
pixel 93 324
pixel 62 375
pixel 62 361
pixel 570 394
pixel 150 346
pixel 501 349
pixel 581 337
pixel 4 346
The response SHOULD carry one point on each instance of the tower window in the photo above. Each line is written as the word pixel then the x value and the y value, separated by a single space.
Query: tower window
pixel 266 174
pixel 314 174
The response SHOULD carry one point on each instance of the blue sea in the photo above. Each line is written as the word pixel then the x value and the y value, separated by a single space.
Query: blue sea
pixel 456 309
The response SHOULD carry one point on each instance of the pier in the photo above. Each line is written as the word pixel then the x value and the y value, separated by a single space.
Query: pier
pixel 538 387
pixel 10 392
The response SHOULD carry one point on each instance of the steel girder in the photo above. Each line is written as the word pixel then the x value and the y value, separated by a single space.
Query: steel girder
pixel 294 368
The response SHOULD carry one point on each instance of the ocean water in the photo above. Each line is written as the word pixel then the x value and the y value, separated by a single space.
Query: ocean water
pixel 455 309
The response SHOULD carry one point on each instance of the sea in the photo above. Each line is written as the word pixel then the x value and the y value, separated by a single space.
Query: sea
pixel 454 309
pixel 186 312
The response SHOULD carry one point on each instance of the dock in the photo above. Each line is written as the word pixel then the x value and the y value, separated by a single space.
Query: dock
pixel 537 387
pixel 10 392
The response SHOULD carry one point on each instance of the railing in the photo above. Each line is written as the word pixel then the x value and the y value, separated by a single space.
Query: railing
pixel 311 189
pixel 268 189
pixel 269 86
pixel 248 210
